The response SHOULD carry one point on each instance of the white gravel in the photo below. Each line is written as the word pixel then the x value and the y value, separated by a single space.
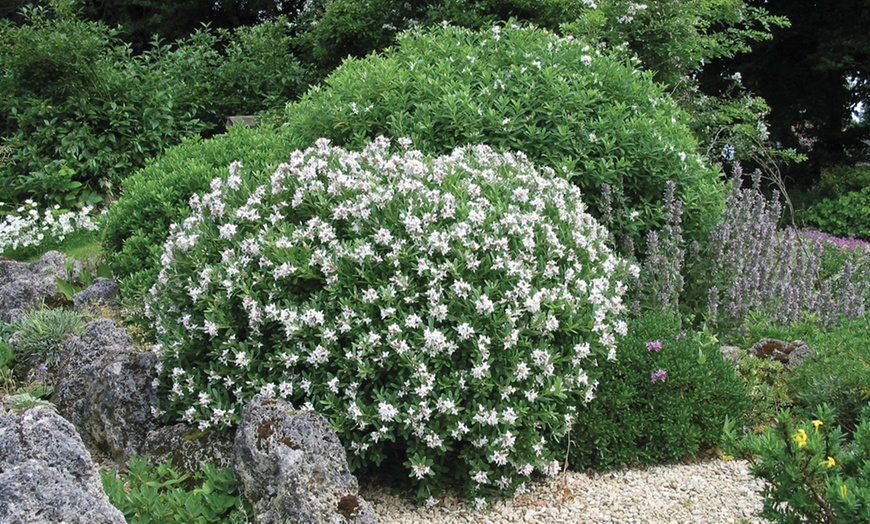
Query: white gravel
pixel 711 491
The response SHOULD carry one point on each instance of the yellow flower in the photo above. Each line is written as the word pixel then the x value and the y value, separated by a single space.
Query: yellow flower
pixel 830 462
pixel 843 490
pixel 817 423
pixel 800 437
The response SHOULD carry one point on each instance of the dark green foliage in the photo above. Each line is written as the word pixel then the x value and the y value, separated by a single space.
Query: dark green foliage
pixel 839 375
pixel 136 226
pixel 79 112
pixel 159 493
pixel 635 421
pixel 593 117
pixel 845 215
pixel 239 72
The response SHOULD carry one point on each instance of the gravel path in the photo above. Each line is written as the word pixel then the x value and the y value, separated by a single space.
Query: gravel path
pixel 712 491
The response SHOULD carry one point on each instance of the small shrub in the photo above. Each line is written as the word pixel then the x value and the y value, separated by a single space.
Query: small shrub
pixel 664 398
pixel 814 470
pixel 41 335
pixel 136 226
pixel 839 375
pixel 446 312
pixel 149 493
pixel 588 113
pixel 846 215
pixel 767 383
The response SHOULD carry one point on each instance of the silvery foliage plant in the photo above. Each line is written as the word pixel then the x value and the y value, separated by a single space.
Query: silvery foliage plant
pixel 449 311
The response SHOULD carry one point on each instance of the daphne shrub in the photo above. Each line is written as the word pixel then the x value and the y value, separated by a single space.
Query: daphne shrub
pixel 452 311
pixel 815 471
pixel 665 397
pixel 587 112
pixel 136 226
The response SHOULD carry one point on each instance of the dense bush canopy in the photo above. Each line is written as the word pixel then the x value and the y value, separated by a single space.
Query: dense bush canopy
pixel 446 311
pixel 588 113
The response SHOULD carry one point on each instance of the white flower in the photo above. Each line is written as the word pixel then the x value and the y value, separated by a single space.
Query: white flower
pixel 387 412
pixel 413 321
pixel 522 371
pixel 465 331
pixel 484 305
pixel 421 470
pixel 481 477
pixel 227 231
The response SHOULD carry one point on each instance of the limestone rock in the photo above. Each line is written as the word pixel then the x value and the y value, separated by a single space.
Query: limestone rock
pixel 188 448
pixel 46 474
pixel 25 284
pixel 730 353
pixel 104 387
pixel 102 290
pixel 789 353
pixel 292 467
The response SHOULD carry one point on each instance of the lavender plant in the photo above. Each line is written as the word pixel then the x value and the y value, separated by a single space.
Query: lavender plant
pixel 449 310
pixel 758 267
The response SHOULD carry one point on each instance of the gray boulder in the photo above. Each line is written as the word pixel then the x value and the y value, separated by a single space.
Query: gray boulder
pixel 46 474
pixel 23 285
pixel 188 448
pixel 102 290
pixel 292 468
pixel 104 387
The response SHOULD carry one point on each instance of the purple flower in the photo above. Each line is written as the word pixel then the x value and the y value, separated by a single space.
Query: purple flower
pixel 42 368
pixel 658 376
pixel 655 345
pixel 681 335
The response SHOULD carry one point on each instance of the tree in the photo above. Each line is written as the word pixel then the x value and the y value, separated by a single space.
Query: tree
pixel 814 75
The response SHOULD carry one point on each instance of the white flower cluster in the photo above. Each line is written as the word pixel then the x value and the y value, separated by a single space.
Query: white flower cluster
pixel 27 226
pixel 453 302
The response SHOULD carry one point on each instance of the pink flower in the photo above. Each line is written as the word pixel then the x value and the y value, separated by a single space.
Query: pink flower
pixel 655 345
pixel 658 376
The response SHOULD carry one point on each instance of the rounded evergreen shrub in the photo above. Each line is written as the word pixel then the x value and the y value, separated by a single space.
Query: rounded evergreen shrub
pixel 447 312
pixel 135 227
pixel 588 113
pixel 665 398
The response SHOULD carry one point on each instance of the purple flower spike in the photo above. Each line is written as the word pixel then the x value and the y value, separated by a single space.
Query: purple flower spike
pixel 655 345
pixel 658 376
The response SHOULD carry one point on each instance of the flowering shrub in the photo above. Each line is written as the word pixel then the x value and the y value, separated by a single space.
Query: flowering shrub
pixel 27 227
pixel 665 398
pixel 584 110
pixel 136 225
pixel 815 472
pixel 451 310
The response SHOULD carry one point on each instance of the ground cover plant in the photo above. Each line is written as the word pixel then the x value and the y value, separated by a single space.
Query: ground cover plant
pixel 150 493
pixel 29 228
pixel 448 311
pixel 589 113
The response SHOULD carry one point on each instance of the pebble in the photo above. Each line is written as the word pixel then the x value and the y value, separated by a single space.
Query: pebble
pixel 711 491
